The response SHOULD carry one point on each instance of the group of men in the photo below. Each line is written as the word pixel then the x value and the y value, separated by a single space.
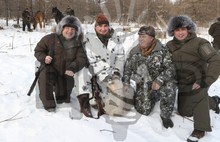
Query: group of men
pixel 187 65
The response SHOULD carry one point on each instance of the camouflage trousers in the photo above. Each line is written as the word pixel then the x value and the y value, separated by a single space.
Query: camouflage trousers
pixel 144 101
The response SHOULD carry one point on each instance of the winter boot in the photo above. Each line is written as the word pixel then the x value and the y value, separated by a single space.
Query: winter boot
pixel 84 105
pixel 196 135
pixel 167 122
pixel 51 109
pixel 217 101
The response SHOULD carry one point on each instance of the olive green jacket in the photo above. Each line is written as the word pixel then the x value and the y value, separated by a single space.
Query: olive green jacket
pixel 196 61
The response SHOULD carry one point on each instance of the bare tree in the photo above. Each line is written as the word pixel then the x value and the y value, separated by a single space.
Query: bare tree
pixel 118 10
pixel 131 11
pixel 140 11
pixel 7 11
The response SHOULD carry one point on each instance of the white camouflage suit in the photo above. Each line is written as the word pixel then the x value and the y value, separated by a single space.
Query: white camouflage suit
pixel 104 60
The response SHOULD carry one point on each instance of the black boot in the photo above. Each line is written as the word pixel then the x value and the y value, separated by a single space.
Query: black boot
pixel 84 105
pixel 167 122
pixel 217 101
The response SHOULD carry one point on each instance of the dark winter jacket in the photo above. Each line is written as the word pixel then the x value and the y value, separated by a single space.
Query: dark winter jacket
pixel 67 55
pixel 26 16
pixel 159 66
pixel 214 31
pixel 196 61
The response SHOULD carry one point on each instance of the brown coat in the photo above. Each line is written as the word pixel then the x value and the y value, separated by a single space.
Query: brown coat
pixel 71 57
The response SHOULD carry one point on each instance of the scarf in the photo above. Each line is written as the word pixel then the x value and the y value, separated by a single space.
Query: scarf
pixel 104 38
pixel 145 51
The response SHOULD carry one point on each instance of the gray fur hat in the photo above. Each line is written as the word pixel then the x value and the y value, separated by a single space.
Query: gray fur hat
pixel 70 21
pixel 181 21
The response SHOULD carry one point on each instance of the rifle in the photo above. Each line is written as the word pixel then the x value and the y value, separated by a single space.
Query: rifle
pixel 37 74
pixel 96 94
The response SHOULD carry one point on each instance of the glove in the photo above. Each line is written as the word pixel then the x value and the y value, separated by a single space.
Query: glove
pixel 116 74
pixel 154 96
pixel 148 85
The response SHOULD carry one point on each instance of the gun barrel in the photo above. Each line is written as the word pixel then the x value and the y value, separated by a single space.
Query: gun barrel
pixel 37 74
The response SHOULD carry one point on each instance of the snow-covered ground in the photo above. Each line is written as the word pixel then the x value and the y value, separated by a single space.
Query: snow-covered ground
pixel 21 121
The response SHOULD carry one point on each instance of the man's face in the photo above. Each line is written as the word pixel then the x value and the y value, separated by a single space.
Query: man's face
pixel 102 29
pixel 68 32
pixel 145 40
pixel 181 33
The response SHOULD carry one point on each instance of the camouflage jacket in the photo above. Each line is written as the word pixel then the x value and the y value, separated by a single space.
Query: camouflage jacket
pixel 104 60
pixel 155 67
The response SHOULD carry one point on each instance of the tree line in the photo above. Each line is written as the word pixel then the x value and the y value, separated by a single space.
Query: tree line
pixel 156 12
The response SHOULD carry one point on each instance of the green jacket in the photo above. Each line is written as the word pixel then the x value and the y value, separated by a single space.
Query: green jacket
pixel 195 61
pixel 214 31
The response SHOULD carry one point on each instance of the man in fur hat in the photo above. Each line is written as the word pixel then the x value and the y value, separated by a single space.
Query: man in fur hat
pixel 198 66
pixel 149 65
pixel 63 57
pixel 214 31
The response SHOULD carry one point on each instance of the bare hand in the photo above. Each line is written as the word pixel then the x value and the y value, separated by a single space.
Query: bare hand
pixel 69 73
pixel 155 86
pixel 195 86
pixel 48 59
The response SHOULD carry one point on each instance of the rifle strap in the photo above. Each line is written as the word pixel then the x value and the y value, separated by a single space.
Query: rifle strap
pixel 51 48
pixel 52 45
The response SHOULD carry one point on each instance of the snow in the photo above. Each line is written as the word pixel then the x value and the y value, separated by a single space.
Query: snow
pixel 29 123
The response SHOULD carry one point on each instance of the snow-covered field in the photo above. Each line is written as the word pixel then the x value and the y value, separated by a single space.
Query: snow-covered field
pixel 21 121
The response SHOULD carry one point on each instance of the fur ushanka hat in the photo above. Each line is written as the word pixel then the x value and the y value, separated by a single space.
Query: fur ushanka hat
pixel 69 21
pixel 181 21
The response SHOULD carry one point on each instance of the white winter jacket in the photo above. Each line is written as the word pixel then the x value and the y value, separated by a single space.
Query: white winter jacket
pixel 104 60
